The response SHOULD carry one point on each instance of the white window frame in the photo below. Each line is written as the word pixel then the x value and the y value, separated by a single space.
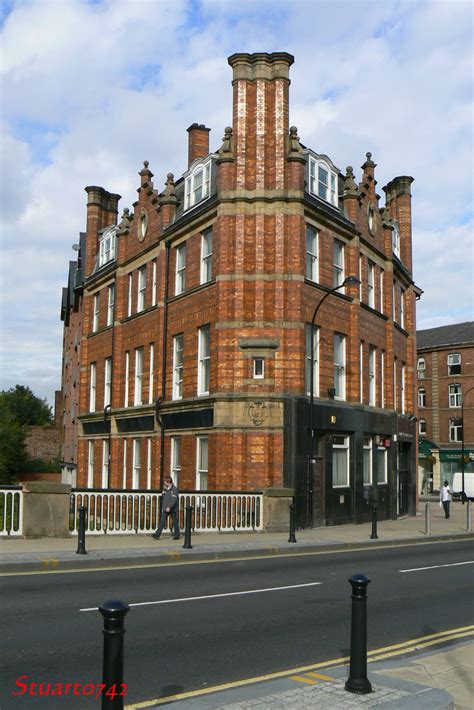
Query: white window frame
pixel 361 371
pixel 454 361
pixel 371 284
pixel 110 304
pixel 422 427
pixel 396 239
pixel 105 463
pixel 338 268
pixel 361 268
pixel 394 302
pixel 372 375
pixel 402 308
pixel 90 464
pixel 107 246
pixel 197 185
pixel 153 283
pixel 175 460
pixel 315 360
pixel 141 289
pixel 381 286
pixel 138 388
pixel 204 360
pixel 367 464
pixel 202 472
pixel 395 388
pixel 455 395
pixel 127 379
pixel 343 444
pixel 422 397
pixel 340 366
pixel 124 464
pixel 107 381
pixel 326 190
pixel 136 466
pixel 206 256
pixel 180 280
pixel 258 368
pixel 178 357
pixel 381 450
pixel 130 289
pixel 151 374
pixel 421 368
pixel 382 379
pixel 96 313
pixel 455 429
pixel 403 389
pixel 92 386
pixel 148 463
pixel 312 253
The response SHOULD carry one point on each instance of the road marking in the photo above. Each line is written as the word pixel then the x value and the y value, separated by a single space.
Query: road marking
pixel 452 564
pixel 247 558
pixel 406 647
pixel 320 676
pixel 302 679
pixel 216 596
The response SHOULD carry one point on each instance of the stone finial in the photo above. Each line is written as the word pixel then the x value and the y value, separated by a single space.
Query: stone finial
pixel 226 151
pixel 294 146
pixel 124 226
pixel 169 193
pixel 350 187
pixel 145 172
pixel 369 163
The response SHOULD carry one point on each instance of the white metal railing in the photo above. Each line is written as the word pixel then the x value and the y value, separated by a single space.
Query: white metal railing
pixel 11 511
pixel 122 512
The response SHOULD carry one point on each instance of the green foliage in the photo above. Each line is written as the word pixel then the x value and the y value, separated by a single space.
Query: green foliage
pixel 40 466
pixel 12 445
pixel 26 407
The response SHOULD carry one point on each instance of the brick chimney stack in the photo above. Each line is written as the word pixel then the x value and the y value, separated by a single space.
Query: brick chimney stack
pixel 198 142
pixel 260 118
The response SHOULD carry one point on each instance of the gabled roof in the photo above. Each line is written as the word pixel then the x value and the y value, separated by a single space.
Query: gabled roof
pixel 446 335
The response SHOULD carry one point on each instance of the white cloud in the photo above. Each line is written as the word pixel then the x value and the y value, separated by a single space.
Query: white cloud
pixel 90 90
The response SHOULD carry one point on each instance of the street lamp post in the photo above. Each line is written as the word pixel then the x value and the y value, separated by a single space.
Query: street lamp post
pixel 463 395
pixel 349 281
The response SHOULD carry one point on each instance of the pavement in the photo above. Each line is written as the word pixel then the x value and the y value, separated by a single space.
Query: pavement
pixel 438 678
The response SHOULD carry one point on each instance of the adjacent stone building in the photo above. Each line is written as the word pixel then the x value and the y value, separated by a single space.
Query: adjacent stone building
pixel 445 375
pixel 194 315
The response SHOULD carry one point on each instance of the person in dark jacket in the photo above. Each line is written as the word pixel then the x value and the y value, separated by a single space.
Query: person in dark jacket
pixel 169 506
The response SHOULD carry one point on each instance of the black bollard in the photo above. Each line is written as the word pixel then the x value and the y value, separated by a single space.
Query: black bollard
pixel 358 681
pixel 114 689
pixel 292 537
pixel 187 529
pixel 81 533
pixel 374 535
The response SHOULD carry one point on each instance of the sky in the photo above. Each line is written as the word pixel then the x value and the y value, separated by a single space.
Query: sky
pixel 92 88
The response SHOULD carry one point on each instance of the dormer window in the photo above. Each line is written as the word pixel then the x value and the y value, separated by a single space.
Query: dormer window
pixel 396 239
pixel 323 181
pixel 107 246
pixel 197 185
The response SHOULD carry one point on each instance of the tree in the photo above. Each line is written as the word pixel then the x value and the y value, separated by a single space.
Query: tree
pixel 26 408
pixel 12 445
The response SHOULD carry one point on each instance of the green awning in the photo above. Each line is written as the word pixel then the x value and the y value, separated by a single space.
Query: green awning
pixel 455 454
pixel 425 447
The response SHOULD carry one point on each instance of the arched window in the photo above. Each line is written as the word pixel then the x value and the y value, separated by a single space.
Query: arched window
pixel 197 185
pixel 420 368
pixel 323 180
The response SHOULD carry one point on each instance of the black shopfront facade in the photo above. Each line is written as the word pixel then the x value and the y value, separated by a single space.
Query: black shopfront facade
pixel 361 457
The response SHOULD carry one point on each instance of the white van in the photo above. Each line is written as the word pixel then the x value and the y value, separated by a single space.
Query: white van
pixel 468 484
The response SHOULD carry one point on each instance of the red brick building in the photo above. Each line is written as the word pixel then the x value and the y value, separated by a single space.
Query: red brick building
pixel 445 376
pixel 195 355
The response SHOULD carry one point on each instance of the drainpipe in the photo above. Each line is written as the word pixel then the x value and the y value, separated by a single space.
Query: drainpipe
pixel 112 367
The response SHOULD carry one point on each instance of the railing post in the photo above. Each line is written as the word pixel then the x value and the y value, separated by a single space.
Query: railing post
pixel 468 517
pixel 113 613
pixel 81 535
pixel 187 530
pixel 427 518
pixel 292 537
pixel 374 535
pixel 358 681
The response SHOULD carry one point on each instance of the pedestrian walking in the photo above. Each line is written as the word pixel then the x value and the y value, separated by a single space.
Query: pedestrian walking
pixel 445 498
pixel 169 506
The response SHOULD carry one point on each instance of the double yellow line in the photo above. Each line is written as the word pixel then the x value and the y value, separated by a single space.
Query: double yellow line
pixel 378 654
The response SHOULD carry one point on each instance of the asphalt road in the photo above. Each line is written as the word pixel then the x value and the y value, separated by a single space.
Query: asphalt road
pixel 193 643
